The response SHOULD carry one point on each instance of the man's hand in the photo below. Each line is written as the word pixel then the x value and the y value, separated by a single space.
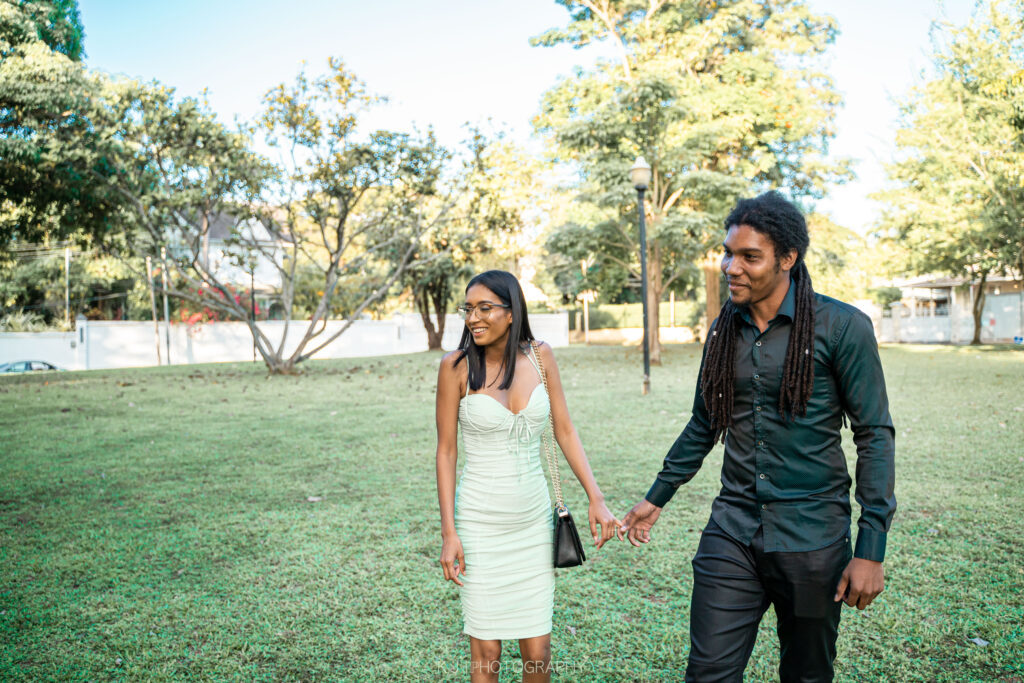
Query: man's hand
pixel 861 583
pixel 638 522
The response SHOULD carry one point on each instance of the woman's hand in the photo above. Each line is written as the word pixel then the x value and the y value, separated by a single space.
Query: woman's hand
pixel 600 514
pixel 453 561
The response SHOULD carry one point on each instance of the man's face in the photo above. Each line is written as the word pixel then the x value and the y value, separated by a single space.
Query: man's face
pixel 750 265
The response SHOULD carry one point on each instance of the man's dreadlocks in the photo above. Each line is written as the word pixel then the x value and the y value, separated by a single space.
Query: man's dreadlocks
pixel 773 216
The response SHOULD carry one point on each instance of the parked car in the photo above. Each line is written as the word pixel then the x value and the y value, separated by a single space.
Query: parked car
pixel 27 366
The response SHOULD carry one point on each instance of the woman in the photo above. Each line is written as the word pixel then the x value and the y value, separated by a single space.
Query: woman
pixel 497 527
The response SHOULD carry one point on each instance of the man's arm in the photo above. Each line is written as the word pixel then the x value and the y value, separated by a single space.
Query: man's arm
pixel 681 463
pixel 862 391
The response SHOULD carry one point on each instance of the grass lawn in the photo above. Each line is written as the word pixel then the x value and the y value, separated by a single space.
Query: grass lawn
pixel 208 523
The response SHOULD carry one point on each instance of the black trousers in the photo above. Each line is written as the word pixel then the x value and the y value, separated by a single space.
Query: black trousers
pixel 733 585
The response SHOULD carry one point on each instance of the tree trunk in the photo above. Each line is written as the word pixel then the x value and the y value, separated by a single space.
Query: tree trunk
pixel 423 306
pixel 440 298
pixel 979 307
pixel 655 286
pixel 712 278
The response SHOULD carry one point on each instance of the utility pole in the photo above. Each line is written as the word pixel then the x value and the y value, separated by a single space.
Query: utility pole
pixel 152 302
pixel 67 287
pixel 167 310
pixel 586 302
pixel 252 306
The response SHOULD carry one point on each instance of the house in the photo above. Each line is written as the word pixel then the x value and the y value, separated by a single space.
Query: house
pixel 940 309
pixel 224 246
pixel 218 251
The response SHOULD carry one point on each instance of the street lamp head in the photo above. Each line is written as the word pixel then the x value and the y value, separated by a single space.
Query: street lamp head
pixel 640 174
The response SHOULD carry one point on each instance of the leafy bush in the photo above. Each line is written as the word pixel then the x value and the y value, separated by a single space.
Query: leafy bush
pixel 23 321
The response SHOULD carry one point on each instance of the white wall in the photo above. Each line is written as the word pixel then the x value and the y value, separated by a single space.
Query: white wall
pixel 59 348
pixel 118 344
pixel 1001 320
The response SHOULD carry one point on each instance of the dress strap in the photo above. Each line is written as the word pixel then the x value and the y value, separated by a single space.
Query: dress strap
pixel 534 361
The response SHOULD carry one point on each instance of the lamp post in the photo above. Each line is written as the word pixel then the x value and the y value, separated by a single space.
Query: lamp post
pixel 252 305
pixel 640 175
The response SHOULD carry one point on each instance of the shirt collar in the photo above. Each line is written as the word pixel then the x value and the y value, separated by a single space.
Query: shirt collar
pixel 788 307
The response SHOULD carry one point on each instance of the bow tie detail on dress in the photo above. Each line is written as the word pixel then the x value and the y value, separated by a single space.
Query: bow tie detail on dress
pixel 518 438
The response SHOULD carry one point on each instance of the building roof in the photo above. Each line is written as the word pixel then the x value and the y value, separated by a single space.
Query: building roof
pixel 932 282
pixel 262 229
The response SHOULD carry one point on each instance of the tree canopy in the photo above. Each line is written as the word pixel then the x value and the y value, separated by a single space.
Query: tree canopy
pixel 957 201
pixel 52 165
pixel 721 98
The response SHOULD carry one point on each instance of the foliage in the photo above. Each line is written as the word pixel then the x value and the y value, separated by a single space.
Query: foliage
pixel 886 296
pixel 23 321
pixel 157 525
pixel 176 171
pixel 355 209
pixel 835 259
pixel 52 163
pixel 957 202
pixel 503 197
pixel 100 287
pixel 349 207
pixel 722 98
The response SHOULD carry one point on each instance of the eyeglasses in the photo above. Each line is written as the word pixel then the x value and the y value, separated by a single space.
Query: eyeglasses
pixel 482 310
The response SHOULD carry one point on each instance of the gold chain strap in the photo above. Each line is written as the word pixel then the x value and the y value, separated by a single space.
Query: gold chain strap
pixel 549 433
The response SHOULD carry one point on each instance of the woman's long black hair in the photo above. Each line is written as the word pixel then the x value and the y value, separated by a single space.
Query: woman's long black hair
pixel 779 220
pixel 506 287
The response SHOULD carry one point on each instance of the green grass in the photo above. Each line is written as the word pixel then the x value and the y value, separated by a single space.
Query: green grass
pixel 155 525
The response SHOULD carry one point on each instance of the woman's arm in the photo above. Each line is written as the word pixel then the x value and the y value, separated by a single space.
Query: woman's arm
pixel 449 392
pixel 572 447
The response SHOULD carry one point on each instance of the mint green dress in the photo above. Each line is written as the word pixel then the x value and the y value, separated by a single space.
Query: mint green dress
pixel 503 518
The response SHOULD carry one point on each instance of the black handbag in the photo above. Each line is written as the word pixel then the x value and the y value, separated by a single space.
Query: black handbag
pixel 568 549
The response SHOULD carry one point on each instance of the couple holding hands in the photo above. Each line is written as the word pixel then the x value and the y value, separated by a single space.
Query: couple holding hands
pixel 783 369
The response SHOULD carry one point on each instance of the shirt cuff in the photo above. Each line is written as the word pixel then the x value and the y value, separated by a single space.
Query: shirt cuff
pixel 660 493
pixel 870 545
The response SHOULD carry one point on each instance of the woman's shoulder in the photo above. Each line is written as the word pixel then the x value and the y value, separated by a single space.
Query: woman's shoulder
pixel 451 359
pixel 545 349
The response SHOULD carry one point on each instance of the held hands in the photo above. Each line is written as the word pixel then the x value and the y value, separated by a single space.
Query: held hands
pixel 600 514
pixel 637 525
pixel 453 561
pixel 861 583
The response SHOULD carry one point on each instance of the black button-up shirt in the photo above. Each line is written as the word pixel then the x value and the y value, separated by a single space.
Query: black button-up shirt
pixel 789 476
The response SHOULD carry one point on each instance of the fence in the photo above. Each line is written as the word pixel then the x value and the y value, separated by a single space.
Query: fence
pixel 1002 320
pixel 617 316
pixel 120 344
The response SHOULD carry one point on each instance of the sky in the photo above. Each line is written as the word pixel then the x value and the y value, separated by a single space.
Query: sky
pixel 443 64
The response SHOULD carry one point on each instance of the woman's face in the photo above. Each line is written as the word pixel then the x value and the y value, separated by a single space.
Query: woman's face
pixel 487 326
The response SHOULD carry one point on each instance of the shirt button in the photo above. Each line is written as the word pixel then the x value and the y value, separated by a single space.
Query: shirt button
pixel 757 344
pixel 757 376
pixel 760 443
pixel 764 507
pixel 758 409
pixel 762 475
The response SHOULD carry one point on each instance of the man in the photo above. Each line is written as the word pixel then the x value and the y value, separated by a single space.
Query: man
pixel 783 367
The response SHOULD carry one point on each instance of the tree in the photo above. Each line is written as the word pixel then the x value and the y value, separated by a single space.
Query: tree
pixel 836 259
pixel 51 167
pixel 957 205
pixel 503 202
pixel 720 97
pixel 351 207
